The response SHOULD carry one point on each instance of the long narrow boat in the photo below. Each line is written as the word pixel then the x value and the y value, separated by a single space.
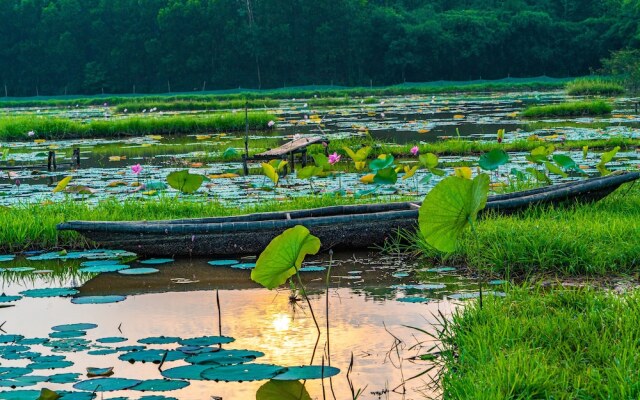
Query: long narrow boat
pixel 354 226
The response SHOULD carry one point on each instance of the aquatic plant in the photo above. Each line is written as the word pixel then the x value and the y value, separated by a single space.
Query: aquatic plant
pixel 594 87
pixel 184 181
pixel 579 108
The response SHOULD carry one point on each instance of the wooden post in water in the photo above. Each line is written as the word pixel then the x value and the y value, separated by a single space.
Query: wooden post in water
pixel 51 161
pixel 245 156
pixel 76 156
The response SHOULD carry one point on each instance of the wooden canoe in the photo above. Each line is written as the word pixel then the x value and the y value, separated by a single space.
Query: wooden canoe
pixel 347 227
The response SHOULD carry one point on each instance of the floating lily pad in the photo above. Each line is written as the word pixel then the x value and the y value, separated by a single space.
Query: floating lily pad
pixel 159 340
pixel 138 271
pixel 33 341
pixel 400 274
pixel 9 299
pixel 102 269
pixel 441 269
pixel 102 352
pixel 64 378
pixel 20 356
pixel 111 339
pixel 76 395
pixel 424 286
pixel 7 257
pixel 244 266
pixel 51 292
pixel 223 263
pixel 160 385
pixel 307 372
pixel 20 394
pixel 106 384
pixel 67 334
pixel 74 327
pixel 190 372
pixel 473 295
pixel 13 348
pixel 98 299
pixel 312 269
pixel 152 355
pixel 99 263
pixel 225 357
pixel 22 381
pixel 127 349
pixel 498 282
pixel 50 365
pixel 206 341
pixel 157 261
pixel 14 372
pixel 242 372
pixel 413 299
pixel 10 339
pixel 157 397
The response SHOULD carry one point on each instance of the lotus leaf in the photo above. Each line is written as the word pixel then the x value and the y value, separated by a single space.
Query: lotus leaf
pixel 64 378
pixel 229 153
pixel 605 158
pixel 307 372
pixel 386 176
pixel 14 372
pixel 312 269
pixel 160 385
pixel 8 299
pixel 99 263
pixel 101 269
pixel 156 261
pixel 112 339
pixel 225 357
pixel 190 372
pixel 67 334
pixel 74 327
pixel 106 384
pixel 308 172
pixel 52 292
pixel 540 176
pixel 138 271
pixel 271 173
pixel 283 256
pixel 222 263
pixel 493 159
pixel 159 340
pixel 102 352
pixel 554 169
pixel 62 184
pixel 50 365
pixel 463 172
pixel 242 372
pixel 152 355
pixel 98 299
pixel 206 341
pixel 449 208
pixel 413 299
pixel 409 172
pixel 383 161
pixel 184 181
pixel 244 266
pixel 360 155
pixel 282 390
pixel 566 162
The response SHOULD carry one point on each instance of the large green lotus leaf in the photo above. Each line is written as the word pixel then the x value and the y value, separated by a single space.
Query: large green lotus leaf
pixel 283 256
pixel 114 298
pixel 386 176
pixel 554 169
pixel 543 151
pixel 230 152
pixel 321 160
pixel 52 292
pixel 493 159
pixel 565 161
pixel 206 341
pixel 74 327
pixel 429 160
pixel 382 162
pixel 282 390
pixel 62 184
pixel 536 159
pixel 225 357
pixel 64 378
pixel 190 372
pixel 270 172
pixel 449 207
pixel 242 372
pixel 106 384
pixel 160 385
pixel 184 181
pixel 307 372
pixel 308 172
pixel 152 355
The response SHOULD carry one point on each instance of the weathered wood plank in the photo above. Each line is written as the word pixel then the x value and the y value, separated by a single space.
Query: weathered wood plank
pixel 294 146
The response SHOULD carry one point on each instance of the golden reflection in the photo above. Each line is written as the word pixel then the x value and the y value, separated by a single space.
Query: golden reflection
pixel 281 322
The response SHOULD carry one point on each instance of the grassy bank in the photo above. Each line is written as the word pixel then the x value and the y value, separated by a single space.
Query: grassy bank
pixel 408 89
pixel 563 344
pixel 591 239
pixel 594 87
pixel 17 128
pixel 573 109
pixel 32 226
pixel 190 105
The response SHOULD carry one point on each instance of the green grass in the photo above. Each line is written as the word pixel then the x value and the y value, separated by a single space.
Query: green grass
pixel 32 226
pixel 562 344
pixel 190 105
pixel 594 87
pixel 16 128
pixel 591 239
pixel 572 109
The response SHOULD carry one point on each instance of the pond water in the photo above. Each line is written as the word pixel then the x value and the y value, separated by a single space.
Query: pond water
pixel 372 301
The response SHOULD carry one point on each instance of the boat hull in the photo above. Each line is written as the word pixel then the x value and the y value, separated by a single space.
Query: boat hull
pixel 338 227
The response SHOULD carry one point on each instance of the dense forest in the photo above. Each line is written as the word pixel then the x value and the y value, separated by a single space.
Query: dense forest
pixel 52 47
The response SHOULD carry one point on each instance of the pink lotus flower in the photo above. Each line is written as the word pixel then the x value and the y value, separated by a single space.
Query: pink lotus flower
pixel 270 124
pixel 334 158
pixel 136 169
pixel 414 150
pixel 31 133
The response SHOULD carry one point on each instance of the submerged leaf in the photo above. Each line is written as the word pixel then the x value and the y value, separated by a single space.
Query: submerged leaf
pixel 283 256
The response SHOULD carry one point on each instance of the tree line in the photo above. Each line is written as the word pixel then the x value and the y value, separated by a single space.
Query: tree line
pixel 53 47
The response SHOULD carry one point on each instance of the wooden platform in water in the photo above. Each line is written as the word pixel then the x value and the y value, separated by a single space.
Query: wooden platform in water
pixel 294 146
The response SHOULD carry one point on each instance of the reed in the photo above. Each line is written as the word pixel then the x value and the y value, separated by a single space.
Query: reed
pixel 573 109
pixel 594 87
